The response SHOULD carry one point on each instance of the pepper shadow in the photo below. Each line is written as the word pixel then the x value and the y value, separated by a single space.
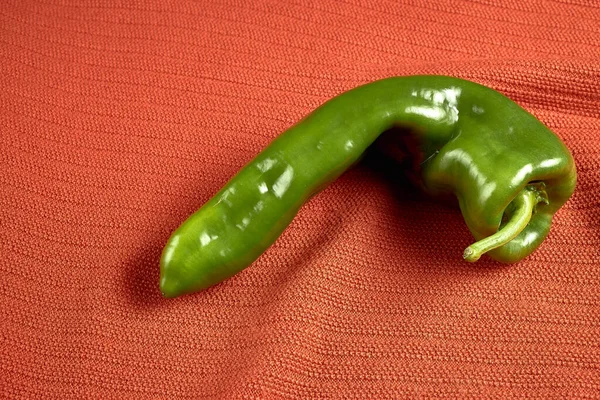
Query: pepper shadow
pixel 394 159
pixel 142 274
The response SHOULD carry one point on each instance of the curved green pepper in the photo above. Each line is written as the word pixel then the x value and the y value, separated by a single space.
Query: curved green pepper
pixel 508 171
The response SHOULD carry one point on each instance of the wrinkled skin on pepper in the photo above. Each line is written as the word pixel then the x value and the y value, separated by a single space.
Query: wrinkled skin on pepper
pixel 508 171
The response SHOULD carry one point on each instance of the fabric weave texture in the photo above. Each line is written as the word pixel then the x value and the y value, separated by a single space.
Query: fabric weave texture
pixel 120 118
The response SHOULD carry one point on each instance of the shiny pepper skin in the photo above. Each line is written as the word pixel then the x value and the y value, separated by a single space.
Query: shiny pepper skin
pixel 508 171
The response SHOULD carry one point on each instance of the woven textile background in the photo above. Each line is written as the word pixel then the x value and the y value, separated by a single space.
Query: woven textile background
pixel 120 118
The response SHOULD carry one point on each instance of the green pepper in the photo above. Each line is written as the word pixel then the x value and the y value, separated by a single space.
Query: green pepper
pixel 508 171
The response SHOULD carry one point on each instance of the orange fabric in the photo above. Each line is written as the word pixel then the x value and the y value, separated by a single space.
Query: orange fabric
pixel 120 118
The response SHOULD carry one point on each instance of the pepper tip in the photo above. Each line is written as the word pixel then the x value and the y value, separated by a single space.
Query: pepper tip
pixel 169 287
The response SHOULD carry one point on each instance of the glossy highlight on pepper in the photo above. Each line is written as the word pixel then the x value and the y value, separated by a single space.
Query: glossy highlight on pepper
pixel 509 172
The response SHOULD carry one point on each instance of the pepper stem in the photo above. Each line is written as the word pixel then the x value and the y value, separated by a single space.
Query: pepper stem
pixel 524 205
